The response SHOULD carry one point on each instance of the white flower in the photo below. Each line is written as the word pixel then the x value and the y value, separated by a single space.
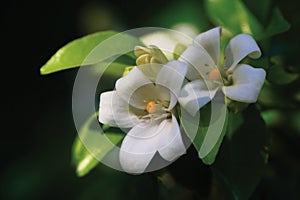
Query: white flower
pixel 147 108
pixel 239 82
pixel 152 54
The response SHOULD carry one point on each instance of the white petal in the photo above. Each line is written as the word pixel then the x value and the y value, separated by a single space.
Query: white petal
pixel 150 70
pixel 216 126
pixel 139 146
pixel 166 40
pixel 147 93
pixel 145 139
pixel 196 94
pixel 238 48
pixel 170 144
pixel 171 76
pixel 247 83
pixel 114 111
pixel 134 163
pixel 210 41
pixel 127 86
pixel 189 124
pixel 198 60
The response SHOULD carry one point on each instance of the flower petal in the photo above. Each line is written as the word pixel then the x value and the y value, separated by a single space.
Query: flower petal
pixel 127 86
pixel 247 83
pixel 238 48
pixel 114 111
pixel 210 41
pixel 170 144
pixel 198 60
pixel 139 146
pixel 171 76
pixel 150 70
pixel 167 40
pixel 196 94
pixel 148 93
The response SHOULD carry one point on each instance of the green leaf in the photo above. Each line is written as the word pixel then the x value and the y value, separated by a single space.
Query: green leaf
pixel 211 156
pixel 277 24
pixel 235 121
pixel 82 159
pixel 87 50
pixel 277 74
pixel 273 117
pixel 115 68
pixel 232 123
pixel 234 16
pixel 99 145
pixel 210 130
pixel 242 159
pixel 262 11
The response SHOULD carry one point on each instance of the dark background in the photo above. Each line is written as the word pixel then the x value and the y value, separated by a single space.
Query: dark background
pixel 37 128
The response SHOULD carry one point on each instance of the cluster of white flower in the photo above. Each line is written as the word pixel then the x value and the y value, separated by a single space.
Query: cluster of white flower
pixel 145 99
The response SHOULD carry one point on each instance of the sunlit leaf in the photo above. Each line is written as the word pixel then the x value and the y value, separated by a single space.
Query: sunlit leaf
pixel 86 159
pixel 234 16
pixel 242 160
pixel 87 50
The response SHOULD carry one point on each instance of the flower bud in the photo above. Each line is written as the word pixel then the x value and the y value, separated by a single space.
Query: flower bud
pixel 152 54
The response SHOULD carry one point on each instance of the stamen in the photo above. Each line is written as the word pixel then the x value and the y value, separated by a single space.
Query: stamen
pixel 164 116
pixel 147 116
pixel 156 110
pixel 199 76
pixel 127 70
pixel 151 107
pixel 214 74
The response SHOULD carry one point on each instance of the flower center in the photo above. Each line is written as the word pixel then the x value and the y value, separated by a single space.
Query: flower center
pixel 151 107
pixel 214 74
pixel 157 110
pixel 219 76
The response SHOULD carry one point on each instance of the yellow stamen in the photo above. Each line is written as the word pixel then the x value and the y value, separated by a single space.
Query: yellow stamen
pixel 127 70
pixel 151 107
